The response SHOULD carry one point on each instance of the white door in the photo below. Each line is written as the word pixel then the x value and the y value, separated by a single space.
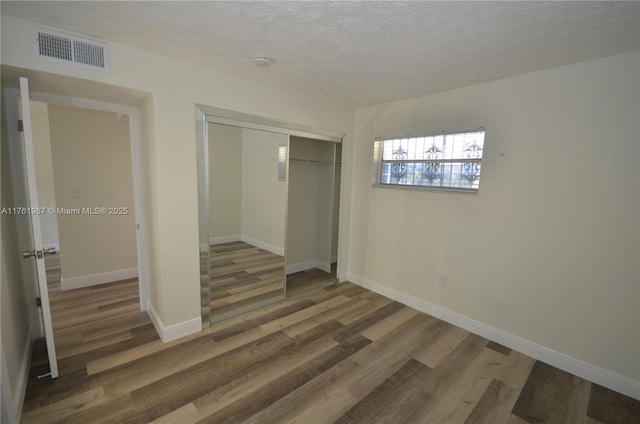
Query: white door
pixel 37 253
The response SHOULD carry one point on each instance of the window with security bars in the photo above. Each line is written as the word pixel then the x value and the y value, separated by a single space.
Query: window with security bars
pixel 444 161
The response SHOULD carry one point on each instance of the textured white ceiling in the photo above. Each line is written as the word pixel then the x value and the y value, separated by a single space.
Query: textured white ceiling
pixel 358 53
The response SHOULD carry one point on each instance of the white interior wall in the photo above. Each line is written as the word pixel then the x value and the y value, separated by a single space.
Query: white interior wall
pixel 175 88
pixel 225 182
pixel 91 155
pixel 309 205
pixel 7 410
pixel 17 326
pixel 263 195
pixel 302 212
pixel 148 233
pixel 325 205
pixel 16 329
pixel 44 172
pixel 548 249
pixel 246 199
pixel 335 218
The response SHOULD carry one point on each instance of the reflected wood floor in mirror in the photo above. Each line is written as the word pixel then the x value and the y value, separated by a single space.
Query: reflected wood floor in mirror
pixel 242 276
pixel 342 354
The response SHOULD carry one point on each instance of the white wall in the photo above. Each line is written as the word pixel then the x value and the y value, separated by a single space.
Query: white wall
pixel 263 195
pixel 15 330
pixel 225 181
pixel 325 205
pixel 16 326
pixel 335 216
pixel 309 205
pixel 302 216
pixel 91 155
pixel 175 88
pixel 44 172
pixel 246 199
pixel 149 231
pixel 548 249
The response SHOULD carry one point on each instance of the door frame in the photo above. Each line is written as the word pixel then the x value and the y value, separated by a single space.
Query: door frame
pixel 142 250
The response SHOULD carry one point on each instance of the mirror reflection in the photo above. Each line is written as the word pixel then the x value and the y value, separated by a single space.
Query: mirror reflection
pixel 247 210
pixel 268 199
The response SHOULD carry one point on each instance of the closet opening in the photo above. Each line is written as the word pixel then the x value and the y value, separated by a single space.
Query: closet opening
pixel 269 202
pixel 312 214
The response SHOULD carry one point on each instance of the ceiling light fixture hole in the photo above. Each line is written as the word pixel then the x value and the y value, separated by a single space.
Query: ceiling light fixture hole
pixel 262 61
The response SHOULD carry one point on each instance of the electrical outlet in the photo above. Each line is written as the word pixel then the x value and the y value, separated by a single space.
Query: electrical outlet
pixel 443 281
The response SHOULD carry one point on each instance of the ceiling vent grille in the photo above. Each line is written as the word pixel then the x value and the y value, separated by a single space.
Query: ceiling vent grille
pixel 71 49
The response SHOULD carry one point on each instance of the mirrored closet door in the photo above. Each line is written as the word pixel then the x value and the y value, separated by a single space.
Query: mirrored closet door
pixel 247 210
pixel 268 195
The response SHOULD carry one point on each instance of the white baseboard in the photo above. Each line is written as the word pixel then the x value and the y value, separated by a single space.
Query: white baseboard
pixel 301 266
pixel 325 266
pixel 224 239
pixel 176 331
pixel 611 380
pixel 343 276
pixel 254 242
pixel 262 245
pixel 313 263
pixel 96 279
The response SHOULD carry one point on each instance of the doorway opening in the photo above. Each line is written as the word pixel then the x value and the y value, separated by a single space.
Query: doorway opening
pixel 134 104
pixel 85 184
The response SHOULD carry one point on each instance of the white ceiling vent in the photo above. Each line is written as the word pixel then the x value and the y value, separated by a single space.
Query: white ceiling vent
pixel 72 49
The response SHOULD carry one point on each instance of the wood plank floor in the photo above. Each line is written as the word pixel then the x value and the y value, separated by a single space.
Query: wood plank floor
pixel 243 276
pixel 342 354
pixel 307 281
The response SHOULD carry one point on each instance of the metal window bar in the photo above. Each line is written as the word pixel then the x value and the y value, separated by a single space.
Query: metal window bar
pixel 444 161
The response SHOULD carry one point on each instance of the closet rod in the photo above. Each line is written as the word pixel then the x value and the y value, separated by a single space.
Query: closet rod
pixel 322 162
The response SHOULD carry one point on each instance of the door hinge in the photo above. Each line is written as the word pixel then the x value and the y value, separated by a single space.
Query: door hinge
pixel 39 301
pixel 20 125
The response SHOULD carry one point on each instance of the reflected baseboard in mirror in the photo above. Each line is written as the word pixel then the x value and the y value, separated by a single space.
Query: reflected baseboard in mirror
pixel 243 277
